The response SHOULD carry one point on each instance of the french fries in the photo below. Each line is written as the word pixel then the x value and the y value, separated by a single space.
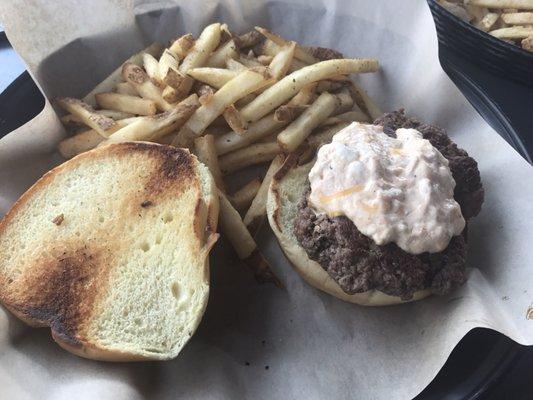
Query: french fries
pixel 246 82
pixel 243 197
pixel 80 143
pixel 216 77
pixel 232 141
pixel 244 244
pixel 234 120
pixel 299 53
pixel 116 76
pixel 508 20
pixel 126 103
pixel 254 154
pixel 139 80
pixel 294 134
pixel 181 46
pixel 235 103
pixel 204 148
pixel 199 53
pixel 84 112
pixel 153 127
pixel 292 83
pixel 255 215
pixel 225 52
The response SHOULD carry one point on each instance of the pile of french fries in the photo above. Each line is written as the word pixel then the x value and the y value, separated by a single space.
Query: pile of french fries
pixel 508 20
pixel 234 101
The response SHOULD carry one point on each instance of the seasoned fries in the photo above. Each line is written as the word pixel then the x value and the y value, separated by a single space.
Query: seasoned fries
pixel 291 84
pixel 235 101
pixel 216 77
pixel 126 103
pixel 84 112
pixel 246 82
pixel 244 244
pixel 254 154
pixel 293 135
pixel 139 80
pixel 255 214
pixel 508 20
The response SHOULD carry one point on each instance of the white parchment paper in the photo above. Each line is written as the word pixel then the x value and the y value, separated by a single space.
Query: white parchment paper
pixel 314 345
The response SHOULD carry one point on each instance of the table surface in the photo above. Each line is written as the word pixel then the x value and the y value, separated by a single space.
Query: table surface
pixel 518 377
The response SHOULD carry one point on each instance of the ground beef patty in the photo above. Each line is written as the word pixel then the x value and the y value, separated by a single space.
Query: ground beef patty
pixel 358 264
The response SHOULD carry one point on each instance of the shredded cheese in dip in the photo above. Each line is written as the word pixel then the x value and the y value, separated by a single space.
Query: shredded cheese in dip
pixel 396 190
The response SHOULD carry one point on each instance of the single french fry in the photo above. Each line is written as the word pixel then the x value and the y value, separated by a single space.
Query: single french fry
pixel 488 21
pixel 100 123
pixel 281 62
pixel 125 103
pixel 116 115
pixel 518 4
pixel 80 143
pixel 254 154
pixel 232 141
pixel 324 135
pixel 243 197
pixel 299 53
pixel 288 113
pixel 234 65
pixel 246 82
pixel 166 61
pixel 349 116
pixel 125 88
pixel 364 101
pixel 269 48
pixel 306 95
pixel 224 52
pixel 247 39
pixel 521 18
pixel 181 46
pixel 294 134
pixel 205 151
pixel 256 213
pixel 139 80
pixel 151 66
pixel 199 53
pixel 235 231
pixel 514 32
pixel 216 77
pixel 292 83
pixel 153 127
pixel 234 120
pixel 109 83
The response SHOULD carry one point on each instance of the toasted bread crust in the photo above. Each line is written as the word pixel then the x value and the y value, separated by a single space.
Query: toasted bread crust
pixel 61 286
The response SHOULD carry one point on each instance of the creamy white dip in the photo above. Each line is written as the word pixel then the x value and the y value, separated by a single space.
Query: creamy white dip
pixel 394 190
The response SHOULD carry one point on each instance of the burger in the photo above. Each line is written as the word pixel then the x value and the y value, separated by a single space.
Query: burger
pixel 380 215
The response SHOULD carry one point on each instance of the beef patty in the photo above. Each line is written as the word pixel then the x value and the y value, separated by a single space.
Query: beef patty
pixel 358 264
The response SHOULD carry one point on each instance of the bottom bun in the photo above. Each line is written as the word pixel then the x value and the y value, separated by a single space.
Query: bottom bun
pixel 286 190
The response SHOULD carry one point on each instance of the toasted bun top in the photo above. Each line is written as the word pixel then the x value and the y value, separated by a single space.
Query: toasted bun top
pixel 286 190
pixel 110 250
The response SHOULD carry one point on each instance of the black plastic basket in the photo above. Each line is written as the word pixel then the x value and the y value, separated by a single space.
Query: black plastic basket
pixel 495 76
pixel 488 52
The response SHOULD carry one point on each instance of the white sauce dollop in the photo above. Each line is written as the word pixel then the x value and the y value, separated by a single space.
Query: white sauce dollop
pixel 394 190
